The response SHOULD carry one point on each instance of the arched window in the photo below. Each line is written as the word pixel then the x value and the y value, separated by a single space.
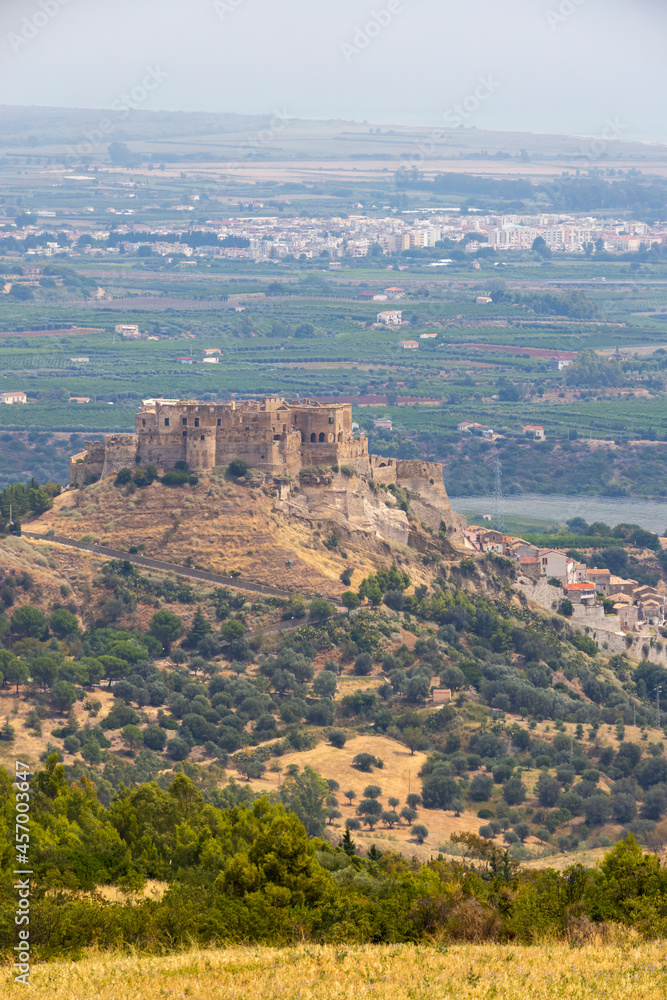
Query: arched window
pixel 313 438
pixel 322 438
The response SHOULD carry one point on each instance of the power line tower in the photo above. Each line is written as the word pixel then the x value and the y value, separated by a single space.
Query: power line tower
pixel 499 520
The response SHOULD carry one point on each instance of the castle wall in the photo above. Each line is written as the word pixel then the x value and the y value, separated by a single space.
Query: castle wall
pixel 200 449
pixel 120 452
pixel 433 506
pixel 383 470
pixel 87 463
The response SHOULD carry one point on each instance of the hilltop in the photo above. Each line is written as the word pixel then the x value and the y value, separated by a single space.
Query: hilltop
pixel 302 544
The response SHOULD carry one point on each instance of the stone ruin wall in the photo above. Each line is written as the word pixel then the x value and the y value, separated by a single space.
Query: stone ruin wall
pixel 87 463
pixel 432 506
pixel 120 452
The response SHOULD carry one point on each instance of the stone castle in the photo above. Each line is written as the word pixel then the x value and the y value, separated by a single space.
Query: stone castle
pixel 276 437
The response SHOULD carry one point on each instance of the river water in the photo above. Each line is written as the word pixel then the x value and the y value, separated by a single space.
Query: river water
pixel 554 508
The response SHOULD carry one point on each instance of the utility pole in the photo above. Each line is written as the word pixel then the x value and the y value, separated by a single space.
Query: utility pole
pixel 498 493
pixel 657 706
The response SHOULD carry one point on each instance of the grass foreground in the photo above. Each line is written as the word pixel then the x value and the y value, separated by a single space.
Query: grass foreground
pixel 628 969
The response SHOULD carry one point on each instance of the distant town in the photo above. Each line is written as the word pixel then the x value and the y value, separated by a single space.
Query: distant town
pixel 271 238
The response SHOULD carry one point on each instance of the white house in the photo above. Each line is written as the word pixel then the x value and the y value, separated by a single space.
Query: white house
pixel 130 331
pixel 390 317
pixel 17 396
pixel 555 563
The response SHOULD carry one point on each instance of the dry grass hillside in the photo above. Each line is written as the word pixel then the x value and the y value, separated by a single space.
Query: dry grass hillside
pixel 65 577
pixel 397 778
pixel 223 527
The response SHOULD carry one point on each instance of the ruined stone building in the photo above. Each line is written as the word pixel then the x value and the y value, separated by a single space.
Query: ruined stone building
pixel 274 436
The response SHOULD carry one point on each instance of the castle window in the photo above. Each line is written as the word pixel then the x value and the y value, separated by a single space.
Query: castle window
pixel 196 421
pixel 143 423
pixel 185 434
pixel 330 420
pixel 340 436
pixel 166 421
pixel 219 422
pixel 201 438
pixel 185 421
pixel 313 438
pixel 322 438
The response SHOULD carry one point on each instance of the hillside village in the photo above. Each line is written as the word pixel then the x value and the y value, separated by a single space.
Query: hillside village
pixel 598 597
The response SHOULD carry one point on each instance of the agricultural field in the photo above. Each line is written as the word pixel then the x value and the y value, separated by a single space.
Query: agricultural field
pixel 293 327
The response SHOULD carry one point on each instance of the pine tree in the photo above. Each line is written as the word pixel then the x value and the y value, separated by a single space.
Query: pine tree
pixel 348 844
pixel 7 733
pixel 199 628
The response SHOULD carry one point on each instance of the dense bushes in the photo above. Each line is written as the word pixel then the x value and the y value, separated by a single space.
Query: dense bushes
pixel 239 871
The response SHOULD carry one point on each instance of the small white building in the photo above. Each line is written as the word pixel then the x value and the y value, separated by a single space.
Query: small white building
pixel 130 331
pixel 558 364
pixel 483 300
pixel 17 396
pixel 534 431
pixel 390 317
pixel 409 345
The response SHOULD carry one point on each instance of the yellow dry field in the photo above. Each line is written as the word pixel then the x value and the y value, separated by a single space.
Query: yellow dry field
pixel 396 779
pixel 624 971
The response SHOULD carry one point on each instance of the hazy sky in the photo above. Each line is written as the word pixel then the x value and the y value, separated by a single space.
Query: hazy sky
pixel 538 65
